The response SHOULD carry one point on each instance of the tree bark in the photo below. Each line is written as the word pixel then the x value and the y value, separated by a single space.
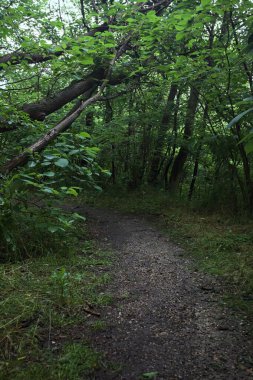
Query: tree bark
pixel 38 111
pixel 51 135
pixel 175 132
pixel 246 170
pixel 194 175
pixel 159 145
pixel 108 119
pixel 178 165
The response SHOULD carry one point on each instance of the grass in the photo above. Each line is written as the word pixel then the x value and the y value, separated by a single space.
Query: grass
pixel 43 299
pixel 42 319
pixel 220 243
pixel 98 325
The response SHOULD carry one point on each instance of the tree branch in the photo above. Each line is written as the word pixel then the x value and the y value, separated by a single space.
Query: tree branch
pixel 64 124
pixel 51 135
pixel 17 57
pixel 38 111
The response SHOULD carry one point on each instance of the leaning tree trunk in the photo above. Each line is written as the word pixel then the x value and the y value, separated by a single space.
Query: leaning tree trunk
pixel 51 135
pixel 180 160
pixel 39 111
pixel 100 77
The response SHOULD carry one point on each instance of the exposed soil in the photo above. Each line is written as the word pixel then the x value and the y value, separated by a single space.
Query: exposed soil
pixel 166 317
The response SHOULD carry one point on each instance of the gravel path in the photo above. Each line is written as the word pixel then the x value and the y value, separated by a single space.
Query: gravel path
pixel 166 317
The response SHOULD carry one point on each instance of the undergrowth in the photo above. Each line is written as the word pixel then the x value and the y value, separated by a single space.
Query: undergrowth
pixel 221 243
pixel 43 314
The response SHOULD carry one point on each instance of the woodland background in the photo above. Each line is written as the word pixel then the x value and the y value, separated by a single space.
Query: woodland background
pixel 146 106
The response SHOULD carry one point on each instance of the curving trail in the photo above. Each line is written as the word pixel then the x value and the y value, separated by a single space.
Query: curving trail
pixel 166 317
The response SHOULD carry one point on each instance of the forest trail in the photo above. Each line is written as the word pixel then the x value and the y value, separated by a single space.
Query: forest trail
pixel 166 317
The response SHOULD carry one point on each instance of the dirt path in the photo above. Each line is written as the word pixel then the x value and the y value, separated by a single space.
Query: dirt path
pixel 166 317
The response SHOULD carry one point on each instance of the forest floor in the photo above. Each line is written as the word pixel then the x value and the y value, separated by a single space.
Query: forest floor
pixel 167 320
pixel 155 290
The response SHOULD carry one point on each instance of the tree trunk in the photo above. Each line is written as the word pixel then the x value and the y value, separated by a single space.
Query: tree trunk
pixel 164 126
pixel 172 154
pixel 178 165
pixel 194 176
pixel 108 119
pixel 43 142
pixel 246 171
pixel 38 111
pixel 198 152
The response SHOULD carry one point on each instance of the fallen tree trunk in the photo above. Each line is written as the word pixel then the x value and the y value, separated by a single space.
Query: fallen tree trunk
pixel 64 124
pixel 38 111
pixel 41 144
pixel 102 75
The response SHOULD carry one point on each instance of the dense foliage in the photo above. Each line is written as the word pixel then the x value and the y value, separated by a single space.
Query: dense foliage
pixel 155 92
pixel 152 98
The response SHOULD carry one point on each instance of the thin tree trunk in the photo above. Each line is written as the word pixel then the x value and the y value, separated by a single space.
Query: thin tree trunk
pixel 113 165
pixel 164 126
pixel 246 170
pixel 129 134
pixel 196 163
pixel 108 119
pixel 172 155
pixel 178 165
pixel 194 176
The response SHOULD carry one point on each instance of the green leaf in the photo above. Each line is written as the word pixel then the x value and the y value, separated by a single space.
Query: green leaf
pixel 28 182
pixel 204 3
pixel 87 61
pixel 72 191
pixel 151 15
pixel 180 27
pixel 84 135
pixel 150 375
pixel 238 117
pixel 49 190
pixel 31 164
pixel 46 163
pixel 53 229
pixel 180 36
pixel 249 147
pixel 62 162
pixel 49 156
pixel 130 20
pixel 49 174
pixel 78 217
pixel 74 151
